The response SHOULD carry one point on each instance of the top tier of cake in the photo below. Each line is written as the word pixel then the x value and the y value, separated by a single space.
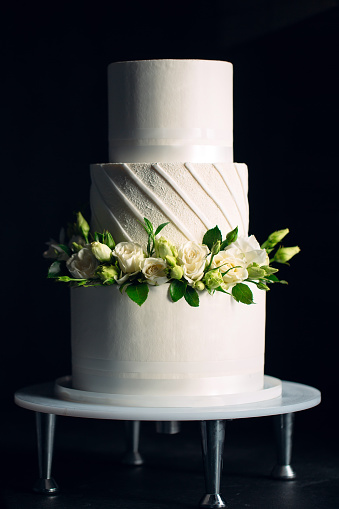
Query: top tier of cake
pixel 170 110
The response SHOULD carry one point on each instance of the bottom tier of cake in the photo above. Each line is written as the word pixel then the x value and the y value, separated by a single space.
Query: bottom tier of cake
pixel 162 351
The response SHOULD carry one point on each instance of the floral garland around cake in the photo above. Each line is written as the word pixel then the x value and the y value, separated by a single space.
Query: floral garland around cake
pixel 229 266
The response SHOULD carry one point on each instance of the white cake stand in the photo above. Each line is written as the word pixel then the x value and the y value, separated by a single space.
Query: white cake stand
pixel 295 397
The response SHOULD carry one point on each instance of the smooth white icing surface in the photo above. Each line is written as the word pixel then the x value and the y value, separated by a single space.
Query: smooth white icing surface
pixel 192 197
pixel 170 110
pixel 166 348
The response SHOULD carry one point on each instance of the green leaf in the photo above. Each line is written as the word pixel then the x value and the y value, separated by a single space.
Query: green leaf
pixel 211 237
pixel 108 240
pixel 177 289
pixel 55 270
pixel 148 226
pixel 192 297
pixel 85 282
pixel 219 289
pixel 105 238
pixel 138 293
pixel 66 249
pixel 242 293
pixel 160 227
pixel 273 278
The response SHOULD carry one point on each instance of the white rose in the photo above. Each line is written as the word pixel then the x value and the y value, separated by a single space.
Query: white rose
pixel 236 268
pixel 154 270
pixel 248 248
pixel 129 255
pixel 82 265
pixel 192 258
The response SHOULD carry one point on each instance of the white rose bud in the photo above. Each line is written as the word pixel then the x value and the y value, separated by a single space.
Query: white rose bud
pixel 130 256
pixel 101 252
pixel 82 265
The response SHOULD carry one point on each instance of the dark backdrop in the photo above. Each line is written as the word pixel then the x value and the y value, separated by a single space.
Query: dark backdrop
pixel 54 112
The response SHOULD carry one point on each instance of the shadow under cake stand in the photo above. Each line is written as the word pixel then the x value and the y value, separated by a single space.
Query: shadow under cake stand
pixel 295 397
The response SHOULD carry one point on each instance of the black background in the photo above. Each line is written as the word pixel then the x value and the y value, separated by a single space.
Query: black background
pixel 54 113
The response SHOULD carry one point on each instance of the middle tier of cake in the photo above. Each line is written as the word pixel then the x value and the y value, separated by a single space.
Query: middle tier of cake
pixel 193 197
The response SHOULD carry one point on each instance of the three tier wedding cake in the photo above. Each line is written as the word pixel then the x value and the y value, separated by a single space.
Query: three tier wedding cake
pixel 175 318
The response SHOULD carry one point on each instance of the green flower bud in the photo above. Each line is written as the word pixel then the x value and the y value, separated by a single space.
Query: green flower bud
pixel 199 285
pixel 101 252
pixel 164 248
pixel 278 235
pixel 274 239
pixel 213 279
pixel 284 254
pixel 171 261
pixel 82 225
pixel 232 236
pixel 216 248
pixel 176 272
pixel 76 247
pixel 255 272
pixel 269 270
pixel 107 272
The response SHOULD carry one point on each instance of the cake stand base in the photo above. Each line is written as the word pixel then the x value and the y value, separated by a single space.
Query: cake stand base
pixel 64 390
pixel 295 397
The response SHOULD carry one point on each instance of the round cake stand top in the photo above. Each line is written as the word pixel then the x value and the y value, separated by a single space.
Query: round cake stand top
pixel 41 398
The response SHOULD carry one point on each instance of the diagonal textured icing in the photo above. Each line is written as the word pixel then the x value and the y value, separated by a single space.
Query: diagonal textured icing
pixel 193 197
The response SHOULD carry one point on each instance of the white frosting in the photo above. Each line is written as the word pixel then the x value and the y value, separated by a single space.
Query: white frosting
pixel 192 197
pixel 170 110
pixel 166 348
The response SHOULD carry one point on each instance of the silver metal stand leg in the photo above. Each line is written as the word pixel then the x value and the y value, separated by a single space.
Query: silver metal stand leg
pixel 45 426
pixel 168 427
pixel 283 425
pixel 132 456
pixel 213 438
